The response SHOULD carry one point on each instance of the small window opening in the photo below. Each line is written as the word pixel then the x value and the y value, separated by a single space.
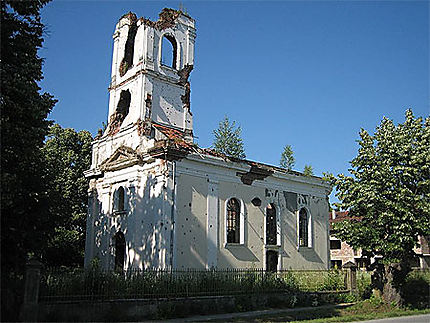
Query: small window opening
pixel 271 260
pixel 124 103
pixel 303 228
pixel 119 251
pixel 168 51
pixel 119 198
pixel 120 113
pixel 335 245
pixel 233 221
pixel 271 237
pixel 127 61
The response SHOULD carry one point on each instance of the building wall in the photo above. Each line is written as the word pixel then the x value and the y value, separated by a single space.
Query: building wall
pixel 200 219
pixel 143 221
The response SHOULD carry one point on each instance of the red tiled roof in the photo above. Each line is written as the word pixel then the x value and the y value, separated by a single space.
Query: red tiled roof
pixel 176 136
pixel 341 216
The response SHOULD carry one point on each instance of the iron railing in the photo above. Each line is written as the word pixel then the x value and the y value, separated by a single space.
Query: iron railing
pixel 96 284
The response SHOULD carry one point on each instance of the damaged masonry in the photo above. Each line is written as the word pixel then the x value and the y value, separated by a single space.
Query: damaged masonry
pixel 157 200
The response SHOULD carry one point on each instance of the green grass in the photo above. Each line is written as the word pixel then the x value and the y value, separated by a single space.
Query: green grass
pixel 366 310
pixel 365 316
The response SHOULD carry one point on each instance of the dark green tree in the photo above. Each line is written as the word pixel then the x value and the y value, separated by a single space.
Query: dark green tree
pixel 228 139
pixel 308 170
pixel 24 110
pixel 287 158
pixel 67 154
pixel 388 198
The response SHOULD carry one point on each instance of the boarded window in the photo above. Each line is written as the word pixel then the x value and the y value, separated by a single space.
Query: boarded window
pixel 271 236
pixel 168 51
pixel 233 221
pixel 119 251
pixel 303 228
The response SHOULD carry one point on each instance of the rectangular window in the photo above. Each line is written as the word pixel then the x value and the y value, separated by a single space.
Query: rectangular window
pixel 335 244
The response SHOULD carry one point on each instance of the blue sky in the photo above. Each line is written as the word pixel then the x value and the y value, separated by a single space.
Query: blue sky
pixel 305 73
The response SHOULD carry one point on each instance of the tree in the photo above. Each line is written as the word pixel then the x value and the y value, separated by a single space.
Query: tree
pixel 308 170
pixel 23 128
pixel 67 154
pixel 228 140
pixel 388 198
pixel 287 159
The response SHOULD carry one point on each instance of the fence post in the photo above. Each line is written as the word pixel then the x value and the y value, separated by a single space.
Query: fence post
pixel 29 309
pixel 351 276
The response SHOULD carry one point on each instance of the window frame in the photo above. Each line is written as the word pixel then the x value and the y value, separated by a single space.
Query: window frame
pixel 277 224
pixel 115 201
pixel 241 222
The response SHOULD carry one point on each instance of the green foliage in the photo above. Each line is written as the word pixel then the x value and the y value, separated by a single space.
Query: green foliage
pixel 228 139
pixel 67 154
pixel 364 284
pixel 416 290
pixel 314 280
pixel 23 128
pixel 96 283
pixel 287 158
pixel 388 196
pixel 308 170
pixel 334 280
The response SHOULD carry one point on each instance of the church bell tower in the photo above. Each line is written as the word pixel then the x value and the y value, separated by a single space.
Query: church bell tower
pixel 129 221
pixel 150 68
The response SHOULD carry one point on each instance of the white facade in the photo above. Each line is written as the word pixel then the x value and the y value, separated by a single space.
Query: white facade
pixel 158 201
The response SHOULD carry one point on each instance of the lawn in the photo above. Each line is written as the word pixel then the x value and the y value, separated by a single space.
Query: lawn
pixel 365 310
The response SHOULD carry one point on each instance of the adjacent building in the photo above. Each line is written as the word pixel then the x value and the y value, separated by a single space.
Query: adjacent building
pixel 341 252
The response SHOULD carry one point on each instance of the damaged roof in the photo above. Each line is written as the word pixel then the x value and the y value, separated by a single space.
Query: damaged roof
pixel 177 142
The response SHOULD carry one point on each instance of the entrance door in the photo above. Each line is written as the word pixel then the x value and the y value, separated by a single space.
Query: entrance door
pixel 271 260
pixel 119 251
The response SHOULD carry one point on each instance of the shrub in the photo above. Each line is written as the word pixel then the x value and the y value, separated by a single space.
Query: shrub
pixel 416 289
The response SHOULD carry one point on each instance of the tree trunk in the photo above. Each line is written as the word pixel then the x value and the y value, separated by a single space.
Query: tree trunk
pixel 389 280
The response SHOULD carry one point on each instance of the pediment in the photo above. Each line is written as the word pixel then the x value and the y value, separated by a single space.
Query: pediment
pixel 122 157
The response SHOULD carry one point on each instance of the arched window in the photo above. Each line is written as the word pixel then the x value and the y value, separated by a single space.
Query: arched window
pixel 233 221
pixel 168 51
pixel 119 241
pixel 271 224
pixel 119 198
pixel 303 228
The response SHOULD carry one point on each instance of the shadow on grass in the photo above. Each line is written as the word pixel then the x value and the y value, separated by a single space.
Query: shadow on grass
pixel 287 317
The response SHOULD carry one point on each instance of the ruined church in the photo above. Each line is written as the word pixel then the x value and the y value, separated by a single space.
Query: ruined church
pixel 157 200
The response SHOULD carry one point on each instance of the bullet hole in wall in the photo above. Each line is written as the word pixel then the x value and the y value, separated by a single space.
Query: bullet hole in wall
pixel 256 201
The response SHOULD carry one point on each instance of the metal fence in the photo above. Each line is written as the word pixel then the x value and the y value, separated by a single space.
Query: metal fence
pixel 95 284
